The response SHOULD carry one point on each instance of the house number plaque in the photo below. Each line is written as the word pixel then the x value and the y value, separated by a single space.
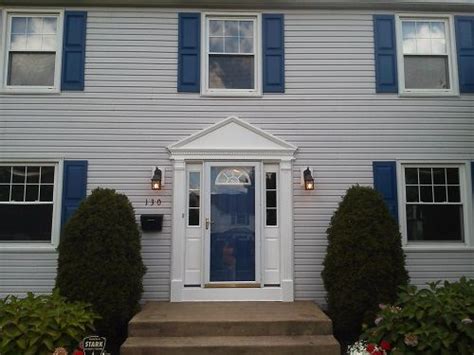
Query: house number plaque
pixel 152 202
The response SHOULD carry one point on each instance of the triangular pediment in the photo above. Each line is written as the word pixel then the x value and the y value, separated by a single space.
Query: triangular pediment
pixel 232 136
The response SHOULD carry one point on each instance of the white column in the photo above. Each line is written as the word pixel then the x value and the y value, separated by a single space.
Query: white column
pixel 286 229
pixel 178 231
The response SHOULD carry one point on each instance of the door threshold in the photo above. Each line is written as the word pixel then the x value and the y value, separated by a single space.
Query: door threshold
pixel 232 285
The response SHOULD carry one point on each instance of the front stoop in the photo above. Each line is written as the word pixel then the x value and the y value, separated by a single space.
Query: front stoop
pixel 229 328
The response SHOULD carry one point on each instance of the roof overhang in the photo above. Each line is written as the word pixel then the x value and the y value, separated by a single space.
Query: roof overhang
pixel 431 5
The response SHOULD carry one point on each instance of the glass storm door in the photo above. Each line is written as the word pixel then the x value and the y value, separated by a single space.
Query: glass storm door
pixel 232 223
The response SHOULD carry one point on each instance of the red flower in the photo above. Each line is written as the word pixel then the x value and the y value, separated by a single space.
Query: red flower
pixel 385 345
pixel 370 348
pixel 78 352
pixel 377 353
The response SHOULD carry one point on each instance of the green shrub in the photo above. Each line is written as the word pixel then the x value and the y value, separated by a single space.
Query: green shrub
pixel 364 264
pixel 100 262
pixel 38 324
pixel 436 320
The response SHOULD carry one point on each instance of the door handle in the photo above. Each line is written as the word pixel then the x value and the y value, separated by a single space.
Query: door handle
pixel 208 222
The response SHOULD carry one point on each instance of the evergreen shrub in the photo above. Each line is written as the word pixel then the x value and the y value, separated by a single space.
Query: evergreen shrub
pixel 364 264
pixel 100 262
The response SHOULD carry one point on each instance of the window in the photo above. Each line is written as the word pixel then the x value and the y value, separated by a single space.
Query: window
pixel 231 55
pixel 32 51
pixel 434 204
pixel 194 198
pixel 27 201
pixel 271 198
pixel 233 176
pixel 425 55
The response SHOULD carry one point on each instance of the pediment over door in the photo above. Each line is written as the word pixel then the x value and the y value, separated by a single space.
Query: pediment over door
pixel 232 138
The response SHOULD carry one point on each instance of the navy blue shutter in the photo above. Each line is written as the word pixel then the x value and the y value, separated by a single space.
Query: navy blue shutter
pixel 386 76
pixel 273 27
pixel 74 50
pixel 385 182
pixel 189 52
pixel 465 47
pixel 74 187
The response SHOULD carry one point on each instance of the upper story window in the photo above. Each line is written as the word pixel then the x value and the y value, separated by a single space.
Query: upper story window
pixel 425 56
pixel 27 202
pixel 33 50
pixel 434 203
pixel 231 55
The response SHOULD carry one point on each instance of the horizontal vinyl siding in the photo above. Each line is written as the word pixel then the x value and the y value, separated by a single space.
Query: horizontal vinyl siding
pixel 130 111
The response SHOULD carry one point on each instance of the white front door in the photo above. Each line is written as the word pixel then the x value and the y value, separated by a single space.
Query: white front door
pixel 232 221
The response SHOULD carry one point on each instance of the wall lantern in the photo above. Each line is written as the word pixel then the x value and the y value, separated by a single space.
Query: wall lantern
pixel 308 179
pixel 156 180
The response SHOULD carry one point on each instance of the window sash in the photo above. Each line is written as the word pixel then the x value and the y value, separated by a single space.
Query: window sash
pixel 197 190
pixel 25 183
pixel 10 14
pixel 449 38
pixel 206 89
pixel 53 240
pixel 461 203
pixel 429 20
pixel 271 170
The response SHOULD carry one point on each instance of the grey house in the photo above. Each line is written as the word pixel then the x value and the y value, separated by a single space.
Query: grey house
pixel 232 102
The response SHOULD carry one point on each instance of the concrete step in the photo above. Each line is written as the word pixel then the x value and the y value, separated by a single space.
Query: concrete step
pixel 232 345
pixel 229 319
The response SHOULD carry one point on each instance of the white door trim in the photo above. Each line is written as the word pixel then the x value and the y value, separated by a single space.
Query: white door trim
pixel 233 141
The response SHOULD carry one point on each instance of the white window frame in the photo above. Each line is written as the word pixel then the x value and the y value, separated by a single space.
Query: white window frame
pixel 466 201
pixel 271 168
pixel 451 50
pixel 193 168
pixel 57 206
pixel 4 60
pixel 205 90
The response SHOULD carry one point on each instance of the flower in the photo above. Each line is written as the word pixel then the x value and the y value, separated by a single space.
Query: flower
pixel 358 348
pixel 378 320
pixel 466 321
pixel 382 306
pixel 371 348
pixel 377 352
pixel 60 351
pixel 385 345
pixel 411 340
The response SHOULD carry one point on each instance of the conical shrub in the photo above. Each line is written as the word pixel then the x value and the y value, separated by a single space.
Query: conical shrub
pixel 100 262
pixel 364 263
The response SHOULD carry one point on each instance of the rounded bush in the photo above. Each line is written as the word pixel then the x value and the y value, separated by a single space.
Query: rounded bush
pixel 364 263
pixel 100 261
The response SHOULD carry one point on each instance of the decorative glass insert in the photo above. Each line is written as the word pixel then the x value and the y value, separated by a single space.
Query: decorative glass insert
pixel 26 202
pixel 233 176
pixel 425 48
pixel 231 53
pixel 434 208
pixel 271 198
pixel 32 50
pixel 194 198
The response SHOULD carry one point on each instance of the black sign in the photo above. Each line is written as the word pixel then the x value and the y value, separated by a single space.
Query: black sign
pixel 94 345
